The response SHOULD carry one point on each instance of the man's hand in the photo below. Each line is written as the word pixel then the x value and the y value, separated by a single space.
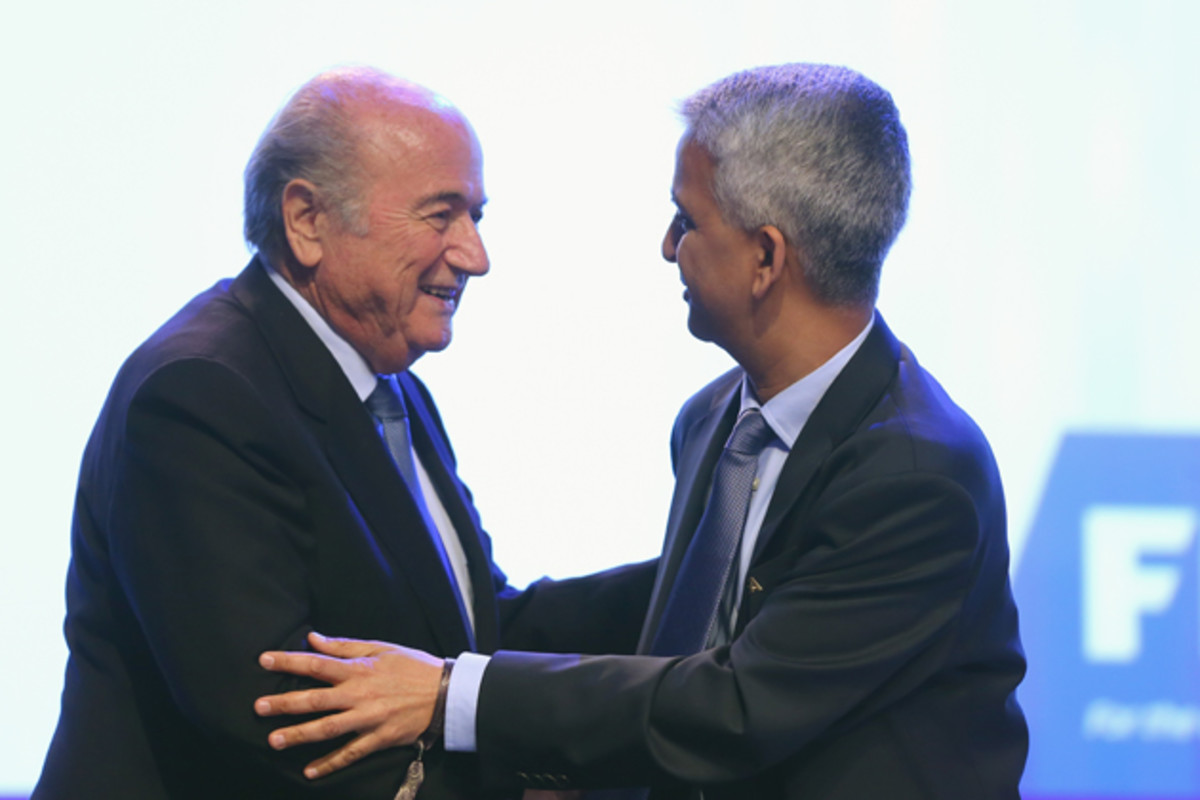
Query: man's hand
pixel 384 692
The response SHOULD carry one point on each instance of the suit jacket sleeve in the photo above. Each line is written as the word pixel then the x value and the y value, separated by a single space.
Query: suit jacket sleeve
pixel 208 540
pixel 599 613
pixel 889 589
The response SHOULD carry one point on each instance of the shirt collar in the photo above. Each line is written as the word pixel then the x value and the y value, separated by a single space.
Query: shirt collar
pixel 356 368
pixel 787 412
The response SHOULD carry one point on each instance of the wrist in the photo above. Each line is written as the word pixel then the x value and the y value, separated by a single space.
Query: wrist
pixel 437 723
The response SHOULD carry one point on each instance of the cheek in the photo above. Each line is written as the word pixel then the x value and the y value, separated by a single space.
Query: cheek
pixel 690 257
pixel 416 257
pixel 400 272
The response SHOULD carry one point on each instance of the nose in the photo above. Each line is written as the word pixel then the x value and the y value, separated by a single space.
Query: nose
pixel 670 241
pixel 468 254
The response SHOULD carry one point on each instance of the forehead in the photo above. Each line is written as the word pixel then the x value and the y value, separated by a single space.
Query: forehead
pixel 694 170
pixel 417 151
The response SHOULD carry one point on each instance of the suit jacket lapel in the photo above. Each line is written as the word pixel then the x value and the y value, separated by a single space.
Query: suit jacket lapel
pixel 849 399
pixel 696 460
pixel 439 462
pixel 356 453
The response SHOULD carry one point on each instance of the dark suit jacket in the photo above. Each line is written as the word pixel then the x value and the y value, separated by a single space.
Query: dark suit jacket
pixel 876 654
pixel 235 495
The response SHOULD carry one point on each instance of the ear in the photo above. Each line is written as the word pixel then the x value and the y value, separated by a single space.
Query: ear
pixel 772 250
pixel 300 222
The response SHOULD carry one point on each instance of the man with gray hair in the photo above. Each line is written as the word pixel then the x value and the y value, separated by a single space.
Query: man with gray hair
pixel 831 616
pixel 266 465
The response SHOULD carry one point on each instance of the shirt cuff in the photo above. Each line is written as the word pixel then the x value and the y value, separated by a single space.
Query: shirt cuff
pixel 462 698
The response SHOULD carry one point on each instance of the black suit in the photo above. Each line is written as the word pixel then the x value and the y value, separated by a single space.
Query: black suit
pixel 876 653
pixel 233 496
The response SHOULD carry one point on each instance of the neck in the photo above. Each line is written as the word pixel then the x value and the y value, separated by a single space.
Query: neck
pixel 797 344
pixel 355 332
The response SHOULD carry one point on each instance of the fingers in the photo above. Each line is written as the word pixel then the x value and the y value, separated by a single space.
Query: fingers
pixel 317 730
pixel 313 665
pixel 345 648
pixel 355 750
pixel 383 692
pixel 306 701
pixel 327 728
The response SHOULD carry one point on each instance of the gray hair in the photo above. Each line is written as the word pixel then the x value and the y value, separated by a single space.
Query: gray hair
pixel 313 137
pixel 817 151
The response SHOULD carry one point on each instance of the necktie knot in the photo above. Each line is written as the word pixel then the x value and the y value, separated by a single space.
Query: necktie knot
pixel 386 402
pixel 751 435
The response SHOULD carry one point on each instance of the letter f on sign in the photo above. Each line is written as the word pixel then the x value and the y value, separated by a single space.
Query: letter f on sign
pixel 1120 584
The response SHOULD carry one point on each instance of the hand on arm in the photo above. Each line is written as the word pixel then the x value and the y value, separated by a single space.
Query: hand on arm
pixel 383 692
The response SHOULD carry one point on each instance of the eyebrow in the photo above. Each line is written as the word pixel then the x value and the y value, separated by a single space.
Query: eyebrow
pixel 451 198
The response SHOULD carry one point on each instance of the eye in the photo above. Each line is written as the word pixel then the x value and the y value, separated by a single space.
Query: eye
pixel 476 215
pixel 682 223
pixel 440 219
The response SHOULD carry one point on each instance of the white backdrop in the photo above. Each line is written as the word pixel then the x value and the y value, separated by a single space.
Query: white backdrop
pixel 1046 275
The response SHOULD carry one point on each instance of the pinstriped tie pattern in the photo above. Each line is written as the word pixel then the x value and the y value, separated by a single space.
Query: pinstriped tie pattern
pixel 386 404
pixel 691 610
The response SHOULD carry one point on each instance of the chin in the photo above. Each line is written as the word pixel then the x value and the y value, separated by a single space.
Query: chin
pixel 697 328
pixel 429 336
pixel 396 365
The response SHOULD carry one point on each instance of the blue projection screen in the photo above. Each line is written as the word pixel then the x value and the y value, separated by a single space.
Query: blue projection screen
pixel 1046 276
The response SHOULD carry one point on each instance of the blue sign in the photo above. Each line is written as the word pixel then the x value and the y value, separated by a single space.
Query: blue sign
pixel 1109 592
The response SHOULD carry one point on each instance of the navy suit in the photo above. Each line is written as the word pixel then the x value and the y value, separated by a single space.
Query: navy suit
pixel 235 495
pixel 876 652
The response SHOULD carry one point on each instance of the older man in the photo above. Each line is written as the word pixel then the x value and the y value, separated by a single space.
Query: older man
pixel 266 465
pixel 832 617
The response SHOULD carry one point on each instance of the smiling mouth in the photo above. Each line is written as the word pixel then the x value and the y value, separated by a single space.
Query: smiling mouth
pixel 447 294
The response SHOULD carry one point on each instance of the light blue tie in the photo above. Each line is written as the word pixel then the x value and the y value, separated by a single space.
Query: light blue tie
pixel 386 404
pixel 690 615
